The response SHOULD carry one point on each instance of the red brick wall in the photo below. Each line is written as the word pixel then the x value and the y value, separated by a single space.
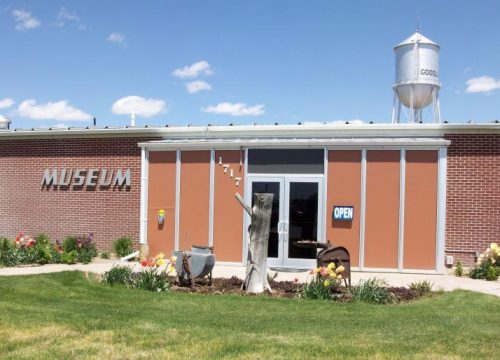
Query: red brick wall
pixel 473 195
pixel 107 213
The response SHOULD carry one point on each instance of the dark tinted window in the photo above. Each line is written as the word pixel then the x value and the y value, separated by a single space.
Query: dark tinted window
pixel 288 161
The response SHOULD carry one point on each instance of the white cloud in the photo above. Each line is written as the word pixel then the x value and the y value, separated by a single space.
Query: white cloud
pixel 117 38
pixel 25 20
pixel 194 70
pixel 198 85
pixel 235 109
pixel 485 84
pixel 6 103
pixel 139 106
pixel 58 110
pixel 65 16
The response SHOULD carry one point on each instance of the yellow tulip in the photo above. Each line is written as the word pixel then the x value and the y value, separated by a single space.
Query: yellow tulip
pixel 331 266
pixel 160 256
pixel 173 258
pixel 340 269
pixel 326 283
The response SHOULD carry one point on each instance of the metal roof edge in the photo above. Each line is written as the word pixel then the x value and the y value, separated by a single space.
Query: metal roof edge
pixel 235 143
pixel 333 130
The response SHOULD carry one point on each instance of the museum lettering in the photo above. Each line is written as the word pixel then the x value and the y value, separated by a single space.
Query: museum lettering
pixel 86 177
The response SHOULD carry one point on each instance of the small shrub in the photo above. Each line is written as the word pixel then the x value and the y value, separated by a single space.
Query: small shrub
pixel 7 253
pixel 151 279
pixel 42 239
pixel 69 257
pixel 83 246
pixel 69 244
pixel 42 253
pixel 316 290
pixel 374 291
pixel 123 246
pixel 422 288
pixel 104 255
pixel 488 264
pixel 459 270
pixel 118 275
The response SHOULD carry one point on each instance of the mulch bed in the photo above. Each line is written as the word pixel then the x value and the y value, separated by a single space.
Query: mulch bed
pixel 282 289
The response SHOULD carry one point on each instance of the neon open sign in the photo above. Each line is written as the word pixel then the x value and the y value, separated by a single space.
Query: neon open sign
pixel 343 212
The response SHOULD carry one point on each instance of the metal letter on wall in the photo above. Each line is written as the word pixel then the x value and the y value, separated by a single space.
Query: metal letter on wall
pixel 79 177
pixel 120 178
pixel 103 181
pixel 90 178
pixel 49 178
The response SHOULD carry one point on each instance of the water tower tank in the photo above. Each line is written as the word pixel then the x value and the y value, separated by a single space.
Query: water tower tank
pixel 4 123
pixel 417 77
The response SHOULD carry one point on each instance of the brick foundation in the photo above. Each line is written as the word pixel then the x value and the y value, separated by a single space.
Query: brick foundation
pixel 106 212
pixel 473 195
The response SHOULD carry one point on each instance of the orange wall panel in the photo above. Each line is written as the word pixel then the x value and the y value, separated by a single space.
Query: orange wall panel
pixel 228 213
pixel 344 188
pixel 420 210
pixel 382 209
pixel 194 198
pixel 161 195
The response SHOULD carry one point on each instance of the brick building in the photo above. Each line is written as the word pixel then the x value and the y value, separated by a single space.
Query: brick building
pixel 399 197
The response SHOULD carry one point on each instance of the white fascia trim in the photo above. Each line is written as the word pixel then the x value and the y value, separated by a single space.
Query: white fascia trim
pixel 236 143
pixel 211 199
pixel 362 213
pixel 402 189
pixel 177 198
pixel 143 226
pixel 441 210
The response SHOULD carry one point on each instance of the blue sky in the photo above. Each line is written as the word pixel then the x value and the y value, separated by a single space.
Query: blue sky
pixel 64 62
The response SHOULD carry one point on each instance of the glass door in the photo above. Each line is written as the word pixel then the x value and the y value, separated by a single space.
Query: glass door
pixel 273 185
pixel 296 215
pixel 302 220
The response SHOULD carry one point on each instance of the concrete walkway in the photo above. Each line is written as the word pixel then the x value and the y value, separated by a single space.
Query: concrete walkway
pixel 441 282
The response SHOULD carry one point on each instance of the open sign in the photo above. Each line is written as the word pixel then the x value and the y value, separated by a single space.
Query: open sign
pixel 343 212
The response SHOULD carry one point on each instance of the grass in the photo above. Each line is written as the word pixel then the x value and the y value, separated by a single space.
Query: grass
pixel 65 316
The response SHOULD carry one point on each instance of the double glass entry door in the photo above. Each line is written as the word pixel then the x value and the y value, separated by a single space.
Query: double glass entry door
pixel 296 215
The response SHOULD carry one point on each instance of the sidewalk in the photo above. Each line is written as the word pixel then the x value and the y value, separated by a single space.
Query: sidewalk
pixel 441 282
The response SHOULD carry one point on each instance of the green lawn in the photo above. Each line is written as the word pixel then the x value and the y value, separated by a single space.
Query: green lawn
pixel 64 316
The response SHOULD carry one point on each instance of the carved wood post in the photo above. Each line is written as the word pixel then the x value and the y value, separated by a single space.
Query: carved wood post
pixel 256 274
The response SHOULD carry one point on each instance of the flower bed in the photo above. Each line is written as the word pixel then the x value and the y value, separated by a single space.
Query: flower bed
pixel 26 250
pixel 324 284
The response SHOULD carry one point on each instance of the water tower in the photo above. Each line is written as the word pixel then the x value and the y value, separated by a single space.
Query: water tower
pixel 417 79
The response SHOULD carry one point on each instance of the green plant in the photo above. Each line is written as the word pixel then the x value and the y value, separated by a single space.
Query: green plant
pixel 42 253
pixel 69 244
pixel 374 291
pixel 104 255
pixel 324 284
pixel 69 257
pixel 488 264
pixel 150 278
pixel 8 256
pixel 42 239
pixel 422 288
pixel 316 290
pixel 118 275
pixel 123 246
pixel 459 270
